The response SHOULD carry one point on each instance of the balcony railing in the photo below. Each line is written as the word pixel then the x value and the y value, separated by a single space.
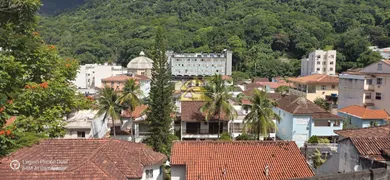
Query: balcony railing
pixel 201 131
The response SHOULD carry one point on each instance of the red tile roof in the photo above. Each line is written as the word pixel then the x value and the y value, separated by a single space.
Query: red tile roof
pixel 123 78
pixel 252 86
pixel 371 146
pixel 259 79
pixel 316 79
pixel 241 160
pixel 138 112
pixel 83 158
pixel 246 102
pixel 379 131
pixel 226 77
pixel 365 113
pixel 387 61
pixel 190 112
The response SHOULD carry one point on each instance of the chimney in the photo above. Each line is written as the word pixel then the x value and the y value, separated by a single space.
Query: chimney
pixel 266 171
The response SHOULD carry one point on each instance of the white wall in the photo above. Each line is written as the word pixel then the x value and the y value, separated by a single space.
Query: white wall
pixel 178 172
pixel 351 90
pixel 157 173
pixel 81 78
pixel 349 156
pixel 72 133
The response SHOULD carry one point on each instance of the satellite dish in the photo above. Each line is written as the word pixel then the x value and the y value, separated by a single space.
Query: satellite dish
pixel 357 168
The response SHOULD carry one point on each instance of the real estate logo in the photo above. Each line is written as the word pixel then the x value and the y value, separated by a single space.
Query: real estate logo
pixel 15 165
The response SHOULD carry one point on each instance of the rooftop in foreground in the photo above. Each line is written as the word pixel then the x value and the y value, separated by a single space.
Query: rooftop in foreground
pixel 210 160
pixel 82 158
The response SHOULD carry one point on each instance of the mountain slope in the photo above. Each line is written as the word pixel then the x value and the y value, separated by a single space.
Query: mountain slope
pixel 258 31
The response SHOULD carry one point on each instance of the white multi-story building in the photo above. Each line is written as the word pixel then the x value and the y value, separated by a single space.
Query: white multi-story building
pixel 90 75
pixel 319 62
pixel 200 64
pixel 384 52
pixel 369 87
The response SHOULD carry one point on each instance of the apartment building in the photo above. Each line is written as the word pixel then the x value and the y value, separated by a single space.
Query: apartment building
pixel 200 64
pixel 315 86
pixel 319 62
pixel 368 87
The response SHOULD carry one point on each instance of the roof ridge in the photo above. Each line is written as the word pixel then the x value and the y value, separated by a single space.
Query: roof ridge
pixel 363 128
pixel 323 76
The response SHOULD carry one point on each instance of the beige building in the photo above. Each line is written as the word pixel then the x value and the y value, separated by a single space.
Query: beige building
pixel 319 62
pixel 369 87
pixel 314 86
pixel 141 65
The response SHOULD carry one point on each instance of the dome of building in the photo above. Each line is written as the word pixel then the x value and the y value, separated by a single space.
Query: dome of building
pixel 141 62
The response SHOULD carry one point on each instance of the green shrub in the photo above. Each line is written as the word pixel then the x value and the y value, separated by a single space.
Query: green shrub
pixel 225 137
pixel 244 137
pixel 313 139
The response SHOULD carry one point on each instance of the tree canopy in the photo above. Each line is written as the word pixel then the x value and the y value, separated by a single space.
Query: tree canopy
pixel 267 34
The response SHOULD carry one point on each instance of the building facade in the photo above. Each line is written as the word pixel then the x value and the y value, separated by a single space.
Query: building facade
pixel 302 119
pixel 118 83
pixel 319 62
pixel 200 64
pixel 315 86
pixel 368 87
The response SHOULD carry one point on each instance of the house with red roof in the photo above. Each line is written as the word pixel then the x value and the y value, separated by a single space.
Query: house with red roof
pixel 237 160
pixel 302 119
pixel 133 124
pixel 83 159
pixel 118 82
pixel 362 117
pixel 314 86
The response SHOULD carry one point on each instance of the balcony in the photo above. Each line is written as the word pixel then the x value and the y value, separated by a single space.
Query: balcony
pixel 201 131
pixel 369 88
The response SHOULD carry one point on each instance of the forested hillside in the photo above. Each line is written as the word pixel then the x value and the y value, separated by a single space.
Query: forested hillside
pixel 262 32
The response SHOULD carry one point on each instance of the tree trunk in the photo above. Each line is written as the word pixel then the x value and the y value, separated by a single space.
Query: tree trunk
pixel 219 124
pixel 113 126
pixel 132 129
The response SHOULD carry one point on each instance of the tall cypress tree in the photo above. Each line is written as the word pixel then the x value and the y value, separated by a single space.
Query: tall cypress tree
pixel 161 101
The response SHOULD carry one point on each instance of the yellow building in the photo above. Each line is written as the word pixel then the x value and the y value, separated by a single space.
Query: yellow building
pixel 314 86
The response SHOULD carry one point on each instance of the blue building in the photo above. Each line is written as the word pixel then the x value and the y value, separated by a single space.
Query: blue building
pixel 302 119
pixel 362 117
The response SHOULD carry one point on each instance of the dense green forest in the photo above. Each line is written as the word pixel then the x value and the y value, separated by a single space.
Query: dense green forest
pixel 273 34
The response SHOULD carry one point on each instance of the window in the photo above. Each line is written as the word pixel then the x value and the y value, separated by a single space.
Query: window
pixel 324 69
pixel 81 134
pixel 323 87
pixel 318 69
pixel 324 63
pixel 318 62
pixel 369 81
pixel 368 96
pixel 331 62
pixel 332 56
pixel 149 173
pixel 380 67
pixel 333 86
pixel 321 123
pixel 378 96
pixel 336 123
pixel 379 81
pixel 331 69
pixel 112 84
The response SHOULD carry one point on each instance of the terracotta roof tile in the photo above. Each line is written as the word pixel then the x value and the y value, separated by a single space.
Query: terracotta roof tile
pixel 387 61
pixel 371 146
pixel 207 160
pixel 226 77
pixel 190 111
pixel 325 115
pixel 246 102
pixel 274 96
pixel 83 158
pixel 298 105
pixel 123 78
pixel 252 86
pixel 138 112
pixel 316 79
pixel 379 131
pixel 365 113
pixel 260 79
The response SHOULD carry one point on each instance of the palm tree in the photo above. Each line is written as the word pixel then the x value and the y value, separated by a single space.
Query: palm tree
pixel 260 118
pixel 217 95
pixel 107 105
pixel 129 99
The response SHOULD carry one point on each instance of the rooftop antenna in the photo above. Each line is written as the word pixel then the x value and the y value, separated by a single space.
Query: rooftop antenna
pixel 266 171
